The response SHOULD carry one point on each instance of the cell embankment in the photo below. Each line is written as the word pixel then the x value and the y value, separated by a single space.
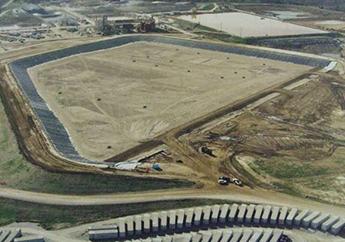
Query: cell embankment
pixel 55 130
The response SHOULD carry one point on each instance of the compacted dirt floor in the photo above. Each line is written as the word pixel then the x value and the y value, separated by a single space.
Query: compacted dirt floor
pixel 112 100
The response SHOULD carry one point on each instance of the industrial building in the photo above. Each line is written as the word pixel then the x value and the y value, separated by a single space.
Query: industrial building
pixel 121 25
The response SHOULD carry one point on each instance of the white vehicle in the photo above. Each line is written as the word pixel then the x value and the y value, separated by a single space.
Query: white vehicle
pixel 237 182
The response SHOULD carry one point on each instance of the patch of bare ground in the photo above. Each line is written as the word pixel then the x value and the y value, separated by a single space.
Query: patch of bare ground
pixel 293 142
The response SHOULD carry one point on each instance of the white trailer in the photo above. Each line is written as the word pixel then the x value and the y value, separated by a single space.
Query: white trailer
pixel 216 236
pixel 206 236
pixel 241 213
pixel 14 234
pixel 172 219
pixel 307 220
pixel 282 216
pixel 189 217
pixel 223 213
pixel 103 234
pixel 138 224
pixel 163 218
pixel 300 217
pixel 258 213
pixel 316 223
pixel 180 219
pixel 274 215
pixel 233 212
pixel 276 235
pixel 147 223
pixel 249 214
pixel 155 222
pixel 196 237
pixel 197 216
pixel 291 216
pixel 266 237
pixel 236 235
pixel 266 215
pixel 30 238
pixel 121 223
pixel 215 214
pixel 227 234
pixel 329 222
pixel 130 225
pixel 338 226
pixel 257 234
pixel 206 211
pixel 247 233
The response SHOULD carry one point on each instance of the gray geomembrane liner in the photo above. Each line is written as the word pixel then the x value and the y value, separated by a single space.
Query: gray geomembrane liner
pixel 52 126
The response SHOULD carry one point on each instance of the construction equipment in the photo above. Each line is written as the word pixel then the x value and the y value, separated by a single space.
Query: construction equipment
pixel 146 25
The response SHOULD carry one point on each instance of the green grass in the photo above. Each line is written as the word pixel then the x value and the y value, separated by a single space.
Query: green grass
pixel 16 172
pixel 287 188
pixel 322 184
pixel 226 38
pixel 42 181
pixel 194 27
pixel 53 217
pixel 284 169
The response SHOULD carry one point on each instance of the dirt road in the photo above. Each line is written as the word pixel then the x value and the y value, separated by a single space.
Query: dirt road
pixel 227 193
pixel 6 4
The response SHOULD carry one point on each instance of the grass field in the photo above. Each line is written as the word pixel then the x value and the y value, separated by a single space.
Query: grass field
pixel 16 172
pixel 56 217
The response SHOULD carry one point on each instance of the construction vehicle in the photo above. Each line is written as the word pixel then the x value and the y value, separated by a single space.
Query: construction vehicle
pixel 146 25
